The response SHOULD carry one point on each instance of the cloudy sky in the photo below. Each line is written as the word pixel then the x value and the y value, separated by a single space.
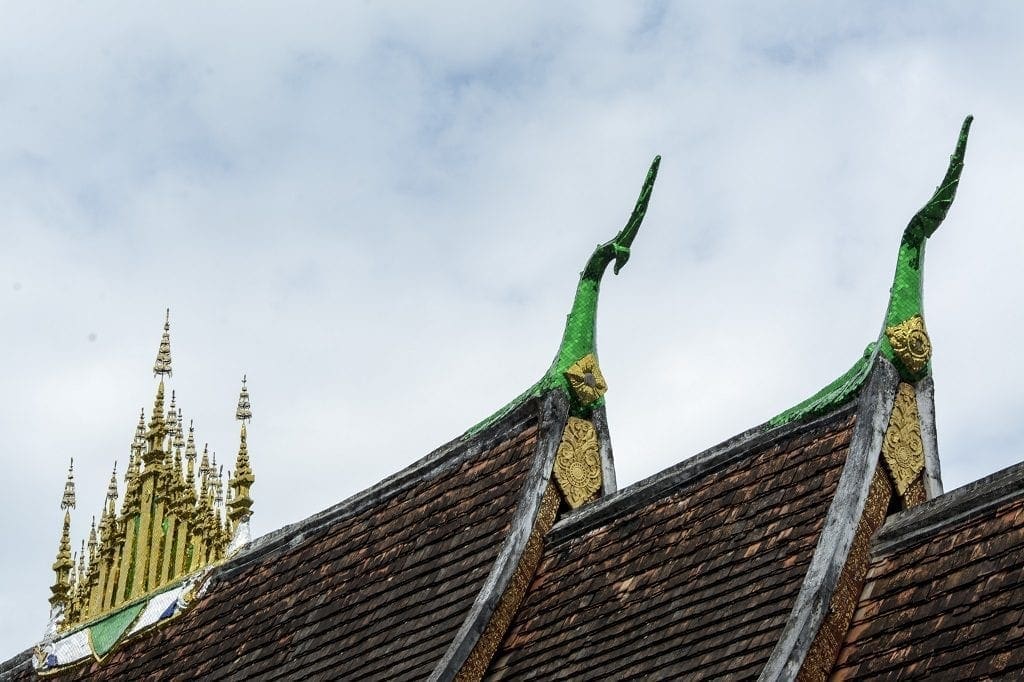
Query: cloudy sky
pixel 379 213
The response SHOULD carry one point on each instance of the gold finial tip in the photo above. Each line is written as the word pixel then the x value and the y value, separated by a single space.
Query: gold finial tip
pixel 243 412
pixel 163 355
pixel 67 501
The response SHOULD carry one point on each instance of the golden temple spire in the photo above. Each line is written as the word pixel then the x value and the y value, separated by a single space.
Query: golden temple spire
pixel 93 542
pixel 112 488
pixel 157 430
pixel 63 565
pixel 240 505
pixel 243 412
pixel 68 501
pixel 163 355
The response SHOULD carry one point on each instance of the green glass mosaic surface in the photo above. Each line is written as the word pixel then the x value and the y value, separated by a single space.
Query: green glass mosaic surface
pixel 905 296
pixel 579 338
pixel 106 633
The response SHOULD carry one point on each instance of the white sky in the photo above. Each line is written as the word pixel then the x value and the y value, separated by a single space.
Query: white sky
pixel 380 214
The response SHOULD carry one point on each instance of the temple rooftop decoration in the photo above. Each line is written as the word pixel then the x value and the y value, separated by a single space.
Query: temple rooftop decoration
pixel 145 561
pixel 816 545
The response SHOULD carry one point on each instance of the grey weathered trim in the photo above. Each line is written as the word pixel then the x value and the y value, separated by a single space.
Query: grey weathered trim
pixel 922 522
pixel 666 482
pixel 604 439
pixel 449 455
pixel 554 413
pixel 833 548
pixel 19 663
pixel 932 476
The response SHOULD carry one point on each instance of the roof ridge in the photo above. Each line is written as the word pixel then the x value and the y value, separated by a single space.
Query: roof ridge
pixel 448 455
pixel 960 504
pixel 668 481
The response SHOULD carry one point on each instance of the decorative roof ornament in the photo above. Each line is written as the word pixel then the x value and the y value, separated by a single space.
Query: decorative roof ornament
pixel 904 317
pixel 163 354
pixel 240 504
pixel 169 531
pixel 243 412
pixel 578 462
pixel 586 380
pixel 579 337
pixel 68 500
pixel 903 339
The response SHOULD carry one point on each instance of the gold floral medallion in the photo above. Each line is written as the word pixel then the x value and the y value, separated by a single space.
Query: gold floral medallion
pixel 586 380
pixel 578 462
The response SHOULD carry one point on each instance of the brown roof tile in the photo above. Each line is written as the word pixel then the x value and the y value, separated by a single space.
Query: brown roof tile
pixel 698 580
pixel 375 592
pixel 945 593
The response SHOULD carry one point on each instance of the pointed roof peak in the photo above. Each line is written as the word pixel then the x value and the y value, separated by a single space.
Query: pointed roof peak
pixel 162 365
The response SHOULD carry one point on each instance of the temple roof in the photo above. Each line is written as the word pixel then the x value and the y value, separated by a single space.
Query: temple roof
pixel 818 543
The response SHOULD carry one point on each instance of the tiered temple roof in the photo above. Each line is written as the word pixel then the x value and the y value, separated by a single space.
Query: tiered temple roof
pixel 818 544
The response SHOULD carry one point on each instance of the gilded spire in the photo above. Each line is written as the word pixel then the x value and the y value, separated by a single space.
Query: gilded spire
pixel 64 564
pixel 112 487
pixel 161 531
pixel 243 412
pixel 240 504
pixel 163 355
pixel 68 500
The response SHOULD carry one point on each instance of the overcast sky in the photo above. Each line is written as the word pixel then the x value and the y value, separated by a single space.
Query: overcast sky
pixel 379 214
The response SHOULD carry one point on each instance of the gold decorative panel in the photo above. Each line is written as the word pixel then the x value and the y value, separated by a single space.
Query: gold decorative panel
pixel 586 380
pixel 476 664
pixel 902 448
pixel 910 343
pixel 578 462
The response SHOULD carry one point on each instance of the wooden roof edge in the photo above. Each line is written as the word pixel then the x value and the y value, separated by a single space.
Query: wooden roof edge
pixel 554 412
pixel 841 524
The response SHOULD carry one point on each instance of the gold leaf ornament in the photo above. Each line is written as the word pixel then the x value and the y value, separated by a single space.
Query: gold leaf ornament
pixel 903 448
pixel 910 343
pixel 586 380
pixel 578 462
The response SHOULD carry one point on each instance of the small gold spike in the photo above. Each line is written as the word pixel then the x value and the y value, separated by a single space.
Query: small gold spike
pixel 243 412
pixel 163 355
pixel 586 380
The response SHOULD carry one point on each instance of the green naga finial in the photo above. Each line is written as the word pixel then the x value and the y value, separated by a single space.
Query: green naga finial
pixel 904 339
pixel 575 369
pixel 578 341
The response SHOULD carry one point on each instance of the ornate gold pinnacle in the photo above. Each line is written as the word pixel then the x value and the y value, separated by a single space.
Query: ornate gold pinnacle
pixel 902 448
pixel 163 354
pixel 586 380
pixel 243 412
pixel 910 343
pixel 578 462
pixel 165 529
pixel 68 500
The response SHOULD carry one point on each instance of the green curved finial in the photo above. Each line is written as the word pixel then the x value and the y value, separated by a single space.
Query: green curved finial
pixel 904 340
pixel 905 296
pixel 904 324
pixel 578 340
pixel 581 325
